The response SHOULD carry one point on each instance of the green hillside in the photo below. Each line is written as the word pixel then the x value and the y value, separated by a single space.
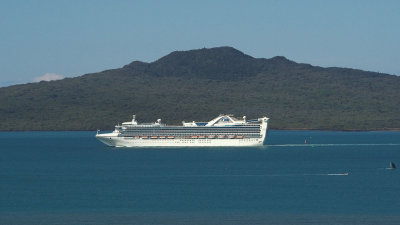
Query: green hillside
pixel 201 84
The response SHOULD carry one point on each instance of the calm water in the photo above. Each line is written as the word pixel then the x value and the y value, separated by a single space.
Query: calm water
pixel 71 178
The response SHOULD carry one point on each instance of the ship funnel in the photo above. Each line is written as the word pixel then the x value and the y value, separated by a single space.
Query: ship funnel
pixel 134 119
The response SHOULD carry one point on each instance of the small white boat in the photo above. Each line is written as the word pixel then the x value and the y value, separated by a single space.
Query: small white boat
pixel 392 166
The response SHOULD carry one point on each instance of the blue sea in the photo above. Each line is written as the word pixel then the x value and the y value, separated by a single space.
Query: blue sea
pixel 71 178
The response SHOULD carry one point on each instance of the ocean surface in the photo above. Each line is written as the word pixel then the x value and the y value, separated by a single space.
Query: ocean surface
pixel 71 178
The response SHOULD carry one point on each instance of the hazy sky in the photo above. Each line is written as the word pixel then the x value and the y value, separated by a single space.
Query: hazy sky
pixel 54 39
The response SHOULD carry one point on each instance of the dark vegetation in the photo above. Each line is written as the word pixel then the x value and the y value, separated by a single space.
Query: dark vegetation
pixel 199 85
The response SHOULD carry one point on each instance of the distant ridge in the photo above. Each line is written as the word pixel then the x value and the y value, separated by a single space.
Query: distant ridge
pixel 200 84
pixel 215 63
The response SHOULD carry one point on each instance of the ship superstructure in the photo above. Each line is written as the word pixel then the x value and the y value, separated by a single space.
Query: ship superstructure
pixel 224 130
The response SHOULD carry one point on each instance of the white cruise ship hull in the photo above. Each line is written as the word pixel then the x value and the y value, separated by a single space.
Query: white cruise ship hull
pixel 132 142
pixel 221 131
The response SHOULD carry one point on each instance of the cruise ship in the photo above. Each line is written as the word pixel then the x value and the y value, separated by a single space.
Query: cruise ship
pixel 224 130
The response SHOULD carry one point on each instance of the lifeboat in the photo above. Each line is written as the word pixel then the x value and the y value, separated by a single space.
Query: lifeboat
pixel 171 137
pixel 154 137
pixel 231 136
pixel 162 137
pixel 137 137
pixel 239 136
pixel 221 136
pixel 202 137
pixel 145 137
pixel 194 137
pixel 211 136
